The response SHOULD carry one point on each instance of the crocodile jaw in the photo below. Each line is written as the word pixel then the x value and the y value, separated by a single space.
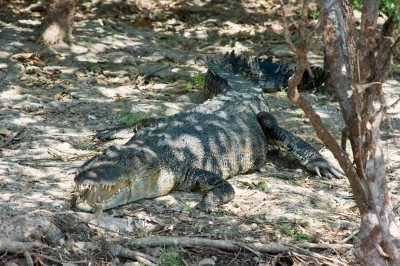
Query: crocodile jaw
pixel 107 193
pixel 106 197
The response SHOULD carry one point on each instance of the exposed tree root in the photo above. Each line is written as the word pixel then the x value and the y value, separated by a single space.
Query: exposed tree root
pixel 226 244
pixel 118 250
pixel 10 246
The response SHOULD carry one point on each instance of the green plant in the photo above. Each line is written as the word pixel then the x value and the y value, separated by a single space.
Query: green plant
pixel 390 7
pixel 189 86
pixel 282 92
pixel 67 39
pixel 199 79
pixel 132 76
pixel 187 205
pixel 91 64
pixel 171 257
pixel 169 36
pixel 356 4
pixel 281 219
pixel 264 187
pixel 322 101
pixel 302 236
pixel 313 13
pixel 288 230
pixel 127 116
pixel 81 146
pixel 300 113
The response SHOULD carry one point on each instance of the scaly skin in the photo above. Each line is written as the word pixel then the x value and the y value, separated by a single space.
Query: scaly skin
pixel 195 149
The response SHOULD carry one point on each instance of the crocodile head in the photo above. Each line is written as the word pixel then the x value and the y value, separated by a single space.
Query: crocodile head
pixel 116 177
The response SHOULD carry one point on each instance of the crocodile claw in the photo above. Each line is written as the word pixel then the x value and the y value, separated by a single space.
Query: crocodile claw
pixel 323 167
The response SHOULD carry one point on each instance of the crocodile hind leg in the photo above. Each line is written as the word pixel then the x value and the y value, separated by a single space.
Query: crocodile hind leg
pixel 126 130
pixel 304 152
pixel 218 190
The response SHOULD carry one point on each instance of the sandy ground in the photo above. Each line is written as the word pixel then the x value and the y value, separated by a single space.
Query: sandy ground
pixel 53 99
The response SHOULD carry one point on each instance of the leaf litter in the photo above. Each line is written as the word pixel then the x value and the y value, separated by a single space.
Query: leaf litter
pixel 141 57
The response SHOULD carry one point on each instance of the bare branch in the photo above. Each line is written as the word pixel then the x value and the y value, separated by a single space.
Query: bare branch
pixel 286 28
pixel 393 105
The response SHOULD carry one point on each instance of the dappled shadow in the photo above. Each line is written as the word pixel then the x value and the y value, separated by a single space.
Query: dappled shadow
pixel 84 86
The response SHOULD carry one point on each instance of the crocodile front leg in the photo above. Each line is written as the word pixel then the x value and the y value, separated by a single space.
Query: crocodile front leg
pixel 126 130
pixel 218 190
pixel 304 152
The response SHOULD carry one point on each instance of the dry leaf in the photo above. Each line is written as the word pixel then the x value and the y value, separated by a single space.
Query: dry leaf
pixel 181 90
pixel 141 22
pixel 181 81
pixel 4 131
pixel 117 97
pixel 184 218
pixel 26 189
pixel 21 135
pixel 59 95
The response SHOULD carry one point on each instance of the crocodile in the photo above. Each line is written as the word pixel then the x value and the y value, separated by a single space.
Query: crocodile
pixel 199 148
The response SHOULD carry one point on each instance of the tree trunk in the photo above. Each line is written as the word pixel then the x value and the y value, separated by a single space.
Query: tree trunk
pixel 349 29
pixel 58 22
pixel 361 71
pixel 357 74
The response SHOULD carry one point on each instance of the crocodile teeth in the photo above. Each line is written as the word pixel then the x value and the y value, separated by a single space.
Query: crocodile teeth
pixel 85 202
pixel 109 188
pixel 90 187
pixel 119 190
pixel 98 199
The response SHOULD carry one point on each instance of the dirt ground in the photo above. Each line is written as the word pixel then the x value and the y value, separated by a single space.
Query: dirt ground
pixel 140 58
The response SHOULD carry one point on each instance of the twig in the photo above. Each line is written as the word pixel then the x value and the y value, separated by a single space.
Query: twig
pixel 5 253
pixel 393 105
pixel 237 254
pixel 13 137
pixel 57 260
pixel 255 252
pixel 316 255
pixel 349 237
pixel 58 156
pixel 142 79
pixel 119 250
pixel 28 258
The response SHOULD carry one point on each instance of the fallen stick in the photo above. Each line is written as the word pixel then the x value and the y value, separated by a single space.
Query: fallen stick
pixel 226 244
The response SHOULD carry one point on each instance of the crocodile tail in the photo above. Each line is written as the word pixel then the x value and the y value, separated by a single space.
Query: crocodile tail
pixel 268 75
pixel 215 83
pixel 317 79
pixel 273 75
pixel 231 65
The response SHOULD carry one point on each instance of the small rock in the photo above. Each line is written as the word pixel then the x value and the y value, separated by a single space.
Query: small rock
pixel 173 22
pixel 207 261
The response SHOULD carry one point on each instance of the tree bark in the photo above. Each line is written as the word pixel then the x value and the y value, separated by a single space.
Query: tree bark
pixel 58 22
pixel 357 76
pixel 375 245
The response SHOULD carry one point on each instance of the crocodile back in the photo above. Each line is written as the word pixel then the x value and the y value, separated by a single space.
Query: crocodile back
pixel 222 136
